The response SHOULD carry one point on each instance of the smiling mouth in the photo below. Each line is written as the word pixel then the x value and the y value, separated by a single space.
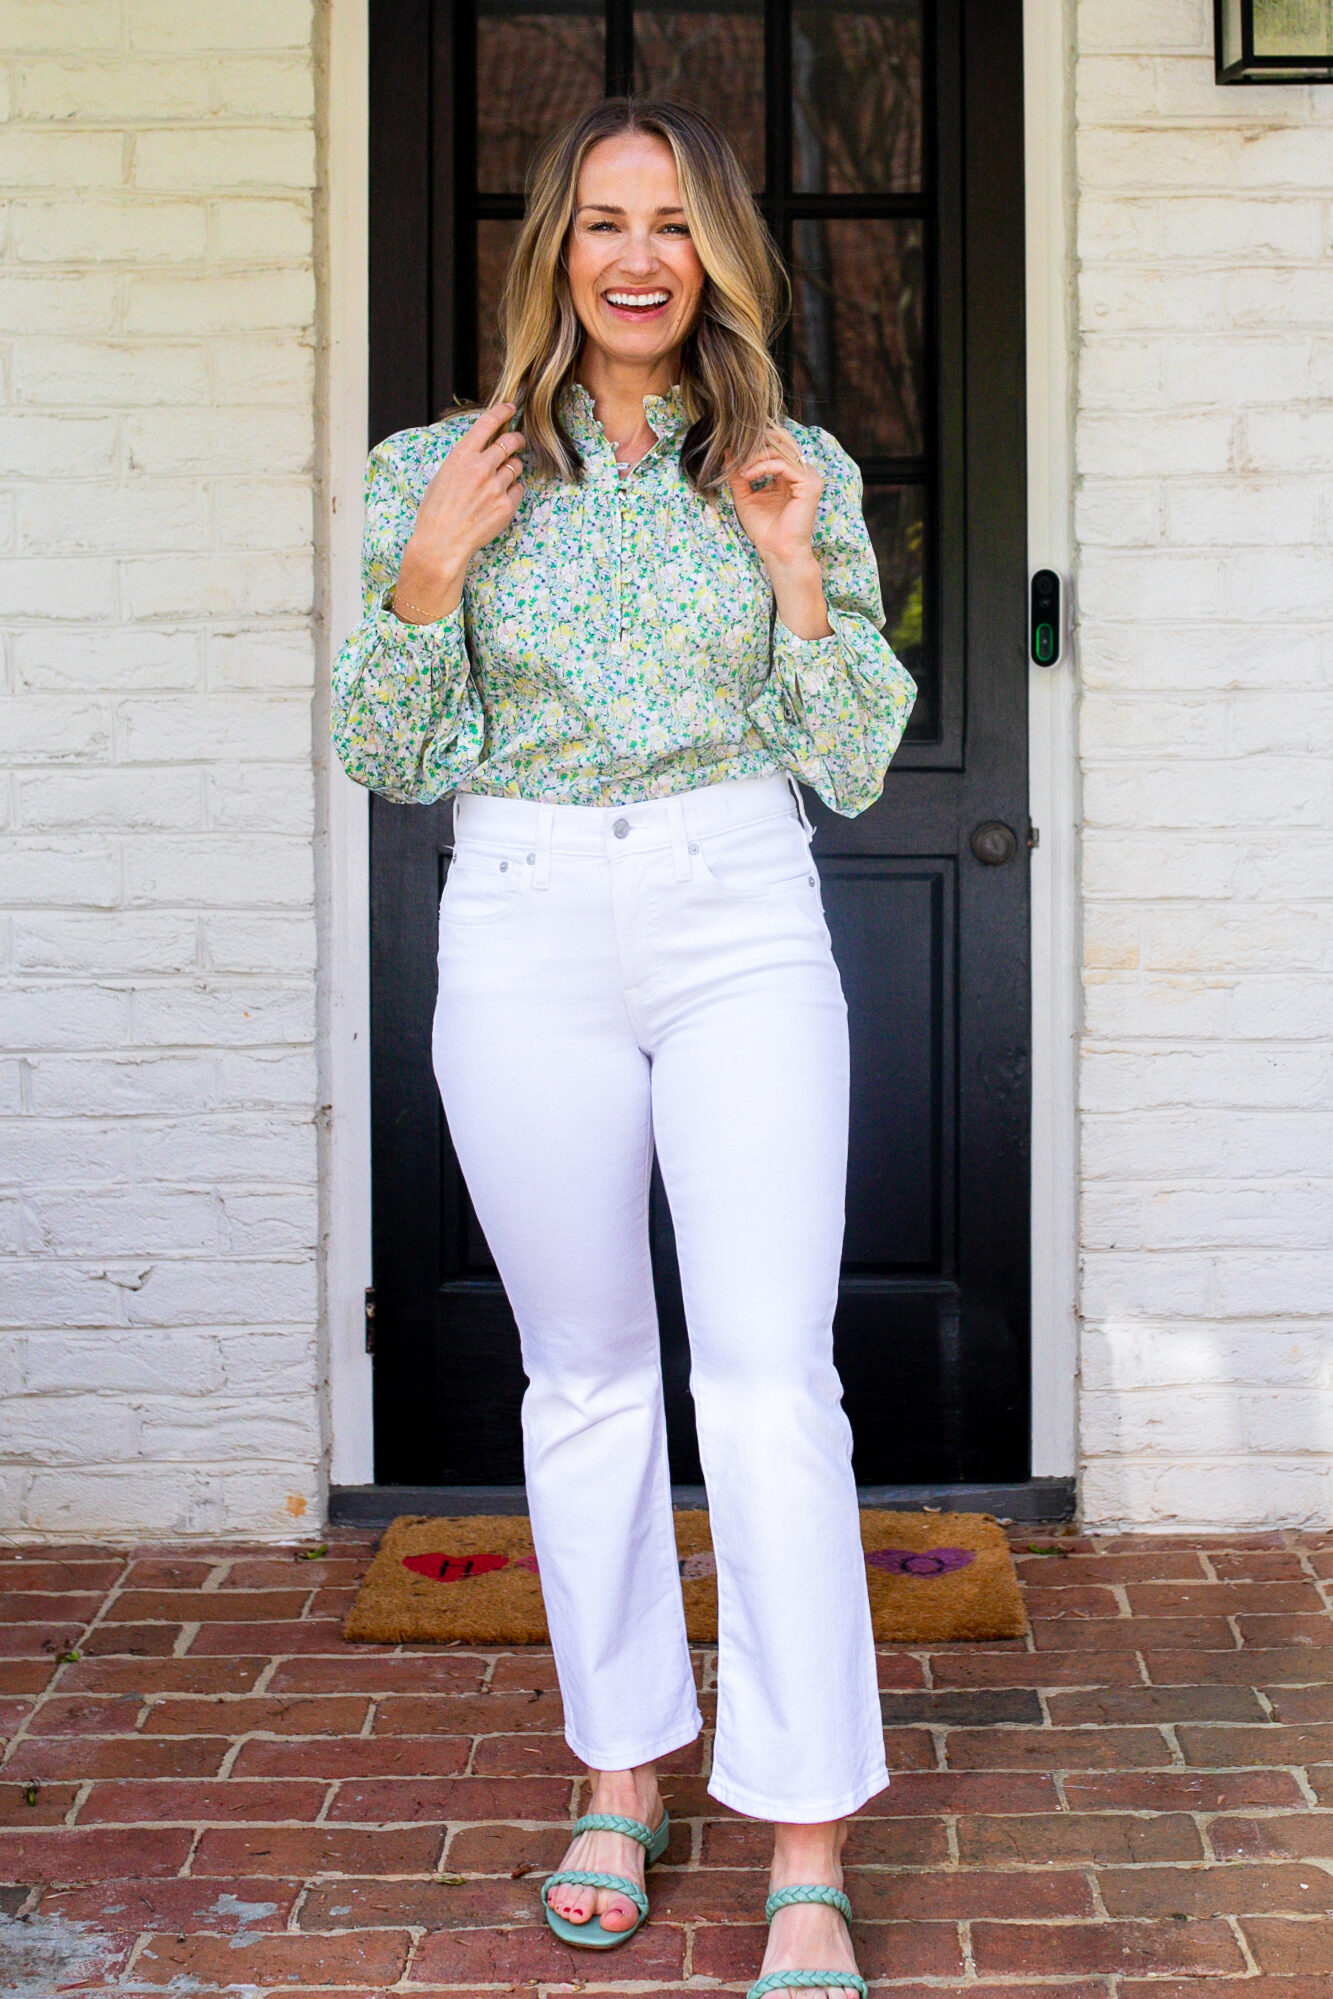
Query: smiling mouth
pixel 636 305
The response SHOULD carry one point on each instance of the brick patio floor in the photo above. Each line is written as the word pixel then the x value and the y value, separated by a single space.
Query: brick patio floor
pixel 204 1790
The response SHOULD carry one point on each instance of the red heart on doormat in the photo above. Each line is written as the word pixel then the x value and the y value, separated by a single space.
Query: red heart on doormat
pixel 454 1568
pixel 920 1561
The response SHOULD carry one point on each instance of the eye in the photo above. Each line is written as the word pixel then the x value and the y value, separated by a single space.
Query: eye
pixel 593 227
pixel 675 229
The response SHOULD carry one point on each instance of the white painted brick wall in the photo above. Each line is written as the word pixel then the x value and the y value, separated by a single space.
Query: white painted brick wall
pixel 160 1368
pixel 1204 442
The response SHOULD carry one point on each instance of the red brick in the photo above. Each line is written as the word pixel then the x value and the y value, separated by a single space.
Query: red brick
pixel 508 1956
pixel 1096 1634
pixel 430 1905
pixel 221 1907
pixel 965 1894
pixel 401 1801
pixel 1269 1538
pixel 322 1635
pixel 530 1671
pixel 534 1756
pixel 1107 1706
pixel 261 1715
pixel 900 1673
pixel 1221 1599
pixel 469 1714
pixel 1302 1703
pixel 26 1676
pixel 161 1676
pixel 1298 1835
pixel 86 1714
pixel 968 1791
pixel 1294 1946
pixel 58 1577
pixel 1276 1566
pixel 132 1641
pixel 1252 1667
pixel 1100 1838
pixel 1231 1889
pixel 332 1602
pixel 1071 1572
pixel 1181 1790
pixel 47 1807
pixel 1290 1630
pixel 1222 1748
pixel 883 1950
pixel 1320 1778
pixel 13 1714
pixel 343 1756
pixel 37 1641
pixel 68 1853
pixel 736 1842
pixel 499 1849
pixel 379 1673
pixel 220 1606
pixel 190 1962
pixel 27 1607
pixel 1211 1988
pixel 1031 1669
pixel 158 1803
pixel 1106 1948
pixel 317 1850
pixel 159 1573
pixel 82 1757
pixel 1055 1748
pixel 1083 1600
pixel 297 1572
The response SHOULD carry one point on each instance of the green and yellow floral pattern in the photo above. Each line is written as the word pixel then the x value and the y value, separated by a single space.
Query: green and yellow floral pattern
pixel 618 641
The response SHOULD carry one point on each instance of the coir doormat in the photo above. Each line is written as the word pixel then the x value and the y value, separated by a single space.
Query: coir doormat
pixel 933 1578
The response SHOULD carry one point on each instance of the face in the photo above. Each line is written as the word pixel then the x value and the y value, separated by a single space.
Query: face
pixel 634 274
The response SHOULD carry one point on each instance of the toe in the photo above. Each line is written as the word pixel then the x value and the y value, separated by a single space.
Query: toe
pixel 617 1913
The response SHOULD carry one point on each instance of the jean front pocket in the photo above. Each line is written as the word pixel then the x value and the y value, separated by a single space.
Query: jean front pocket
pixel 771 857
pixel 480 887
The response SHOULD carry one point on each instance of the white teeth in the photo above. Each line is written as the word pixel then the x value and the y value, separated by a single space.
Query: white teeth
pixel 637 298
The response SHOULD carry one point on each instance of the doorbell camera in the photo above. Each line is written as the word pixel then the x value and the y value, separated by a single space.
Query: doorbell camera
pixel 1047 621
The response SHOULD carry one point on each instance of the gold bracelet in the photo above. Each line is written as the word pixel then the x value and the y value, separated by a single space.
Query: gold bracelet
pixel 410 606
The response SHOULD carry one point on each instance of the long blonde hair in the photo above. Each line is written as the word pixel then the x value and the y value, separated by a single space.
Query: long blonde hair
pixel 730 389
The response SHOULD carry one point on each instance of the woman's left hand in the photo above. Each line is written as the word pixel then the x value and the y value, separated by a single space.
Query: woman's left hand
pixel 780 517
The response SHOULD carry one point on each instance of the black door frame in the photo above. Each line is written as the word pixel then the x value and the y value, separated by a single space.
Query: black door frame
pixel 993 281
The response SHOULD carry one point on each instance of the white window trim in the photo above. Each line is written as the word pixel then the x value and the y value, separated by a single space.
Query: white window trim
pixel 1051 738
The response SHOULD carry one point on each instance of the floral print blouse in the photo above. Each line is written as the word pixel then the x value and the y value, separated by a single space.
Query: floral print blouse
pixel 618 641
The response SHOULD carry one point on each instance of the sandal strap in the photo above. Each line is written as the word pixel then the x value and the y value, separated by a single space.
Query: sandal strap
pixel 613 1822
pixel 812 1891
pixel 582 1877
pixel 780 1981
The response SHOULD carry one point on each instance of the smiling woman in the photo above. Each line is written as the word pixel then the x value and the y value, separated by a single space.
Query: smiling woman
pixel 619 633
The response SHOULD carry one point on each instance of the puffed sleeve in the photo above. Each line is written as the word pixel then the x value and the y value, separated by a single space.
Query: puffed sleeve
pixel 833 710
pixel 407 719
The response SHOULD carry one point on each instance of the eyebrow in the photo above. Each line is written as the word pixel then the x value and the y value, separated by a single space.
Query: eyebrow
pixel 609 208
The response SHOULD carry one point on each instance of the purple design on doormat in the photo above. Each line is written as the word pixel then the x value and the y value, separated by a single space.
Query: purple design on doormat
pixel 526 1562
pixel 920 1561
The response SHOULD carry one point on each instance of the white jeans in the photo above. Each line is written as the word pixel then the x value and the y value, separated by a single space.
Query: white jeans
pixel 614 978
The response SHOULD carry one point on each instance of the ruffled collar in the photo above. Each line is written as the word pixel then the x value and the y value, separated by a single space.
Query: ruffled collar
pixel 665 414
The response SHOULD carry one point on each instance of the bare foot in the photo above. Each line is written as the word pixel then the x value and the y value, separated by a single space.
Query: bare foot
pixel 809 1936
pixel 632 1794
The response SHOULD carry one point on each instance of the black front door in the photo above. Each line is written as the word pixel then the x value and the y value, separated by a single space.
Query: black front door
pixel 885 140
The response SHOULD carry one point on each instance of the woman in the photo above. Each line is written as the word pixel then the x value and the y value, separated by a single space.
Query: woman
pixel 615 634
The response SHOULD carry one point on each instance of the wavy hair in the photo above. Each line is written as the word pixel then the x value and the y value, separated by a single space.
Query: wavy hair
pixel 730 389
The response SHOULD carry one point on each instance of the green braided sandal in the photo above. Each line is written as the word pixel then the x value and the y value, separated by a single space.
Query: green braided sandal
pixel 591 1935
pixel 779 1981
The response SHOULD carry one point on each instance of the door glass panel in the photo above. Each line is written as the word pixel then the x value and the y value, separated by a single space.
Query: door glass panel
pixel 858 333
pixel 713 60
pixel 495 240
pixel 856 97
pixel 535 71
pixel 896 518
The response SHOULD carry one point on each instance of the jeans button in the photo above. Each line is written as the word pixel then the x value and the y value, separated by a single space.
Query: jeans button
pixel 620 828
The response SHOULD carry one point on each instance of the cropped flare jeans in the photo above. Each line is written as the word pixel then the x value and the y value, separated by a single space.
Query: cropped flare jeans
pixel 614 980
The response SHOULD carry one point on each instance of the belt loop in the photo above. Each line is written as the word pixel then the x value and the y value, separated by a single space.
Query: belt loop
pixel 680 850
pixel 800 806
pixel 545 835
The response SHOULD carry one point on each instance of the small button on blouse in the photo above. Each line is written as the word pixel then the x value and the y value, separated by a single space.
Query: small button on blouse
pixel 618 641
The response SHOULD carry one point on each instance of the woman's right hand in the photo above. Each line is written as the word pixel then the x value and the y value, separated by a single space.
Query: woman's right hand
pixel 471 499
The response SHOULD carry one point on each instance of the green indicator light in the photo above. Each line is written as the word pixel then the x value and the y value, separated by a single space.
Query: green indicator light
pixel 1045 643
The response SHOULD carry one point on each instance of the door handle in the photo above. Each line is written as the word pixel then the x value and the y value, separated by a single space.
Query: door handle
pixel 994 843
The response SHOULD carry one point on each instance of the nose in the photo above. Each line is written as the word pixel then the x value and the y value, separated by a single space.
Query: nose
pixel 638 255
